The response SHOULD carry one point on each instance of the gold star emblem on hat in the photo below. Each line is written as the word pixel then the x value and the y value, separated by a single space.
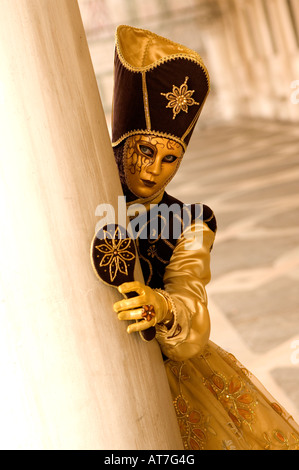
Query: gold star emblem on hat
pixel 180 98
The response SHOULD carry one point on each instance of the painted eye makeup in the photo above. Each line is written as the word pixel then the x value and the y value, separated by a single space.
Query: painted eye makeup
pixel 150 152
pixel 169 158
pixel 146 150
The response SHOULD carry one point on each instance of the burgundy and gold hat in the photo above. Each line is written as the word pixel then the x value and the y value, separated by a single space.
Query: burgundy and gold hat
pixel 159 87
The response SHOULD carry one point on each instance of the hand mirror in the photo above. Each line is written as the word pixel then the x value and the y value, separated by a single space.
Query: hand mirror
pixel 113 257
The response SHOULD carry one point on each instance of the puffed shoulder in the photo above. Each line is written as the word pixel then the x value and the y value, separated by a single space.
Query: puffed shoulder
pixel 196 211
pixel 203 222
pixel 209 218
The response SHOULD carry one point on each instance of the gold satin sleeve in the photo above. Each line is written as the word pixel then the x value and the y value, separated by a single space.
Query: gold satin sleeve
pixel 186 276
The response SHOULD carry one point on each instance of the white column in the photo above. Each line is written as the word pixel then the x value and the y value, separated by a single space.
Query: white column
pixel 71 377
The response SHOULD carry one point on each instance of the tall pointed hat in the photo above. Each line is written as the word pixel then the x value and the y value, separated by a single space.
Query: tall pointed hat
pixel 159 87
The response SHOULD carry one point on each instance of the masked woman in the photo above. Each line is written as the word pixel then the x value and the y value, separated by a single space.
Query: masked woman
pixel 159 91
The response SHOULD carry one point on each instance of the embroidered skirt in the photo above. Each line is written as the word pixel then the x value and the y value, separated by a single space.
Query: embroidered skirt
pixel 220 405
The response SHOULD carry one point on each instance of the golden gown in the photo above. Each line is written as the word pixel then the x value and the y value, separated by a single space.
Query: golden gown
pixel 159 90
pixel 218 402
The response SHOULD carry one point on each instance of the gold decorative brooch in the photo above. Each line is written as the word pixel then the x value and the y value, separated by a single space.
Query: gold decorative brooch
pixel 180 98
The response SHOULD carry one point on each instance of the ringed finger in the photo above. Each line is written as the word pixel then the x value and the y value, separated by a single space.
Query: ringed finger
pixel 131 314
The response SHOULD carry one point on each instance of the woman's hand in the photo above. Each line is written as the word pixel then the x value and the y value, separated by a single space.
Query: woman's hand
pixel 148 306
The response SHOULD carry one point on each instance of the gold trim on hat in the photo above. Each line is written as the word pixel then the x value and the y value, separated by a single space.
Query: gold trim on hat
pixel 151 132
pixel 148 58
pixel 145 102
pixel 192 124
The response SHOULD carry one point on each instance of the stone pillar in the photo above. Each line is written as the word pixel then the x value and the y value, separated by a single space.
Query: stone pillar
pixel 71 377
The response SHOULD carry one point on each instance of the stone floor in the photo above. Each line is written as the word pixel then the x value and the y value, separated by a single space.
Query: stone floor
pixel 248 172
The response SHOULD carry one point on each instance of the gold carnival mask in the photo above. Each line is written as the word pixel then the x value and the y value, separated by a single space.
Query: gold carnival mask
pixel 150 162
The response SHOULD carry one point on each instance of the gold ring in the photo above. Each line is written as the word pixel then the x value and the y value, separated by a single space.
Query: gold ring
pixel 148 312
